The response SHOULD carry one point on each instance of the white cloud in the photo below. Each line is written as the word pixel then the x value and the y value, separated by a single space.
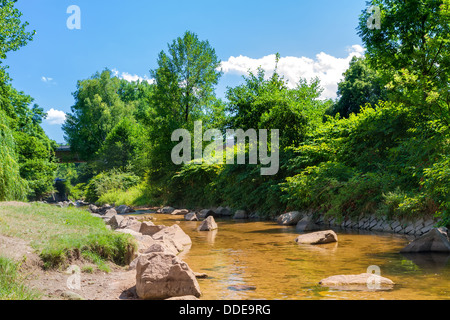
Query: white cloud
pixel 327 68
pixel 46 79
pixel 131 78
pixel 55 117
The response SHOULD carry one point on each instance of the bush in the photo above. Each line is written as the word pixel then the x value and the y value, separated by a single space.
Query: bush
pixel 12 283
pixel 107 181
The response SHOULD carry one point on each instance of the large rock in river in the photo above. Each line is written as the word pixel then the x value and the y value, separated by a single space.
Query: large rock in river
pixel 435 240
pixel 162 275
pixel 208 224
pixel 321 237
pixel 290 218
pixel 363 281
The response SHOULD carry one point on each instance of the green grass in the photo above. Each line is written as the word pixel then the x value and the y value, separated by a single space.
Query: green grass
pixel 62 235
pixel 134 196
pixel 12 282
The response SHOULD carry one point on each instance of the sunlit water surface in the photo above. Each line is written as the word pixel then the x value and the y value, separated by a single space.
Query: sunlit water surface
pixel 265 257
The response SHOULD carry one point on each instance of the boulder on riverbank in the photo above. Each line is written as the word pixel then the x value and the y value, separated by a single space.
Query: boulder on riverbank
pixel 148 228
pixel 174 232
pixel 307 225
pixel 124 209
pixel 435 240
pixel 290 218
pixel 180 212
pixel 191 216
pixel 223 212
pixel 363 281
pixel 240 214
pixel 130 223
pixel 166 210
pixel 208 224
pixel 205 213
pixel 321 237
pixel 162 275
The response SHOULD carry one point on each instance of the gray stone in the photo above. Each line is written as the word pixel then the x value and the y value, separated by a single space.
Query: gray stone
pixel 290 218
pixel 124 209
pixel 180 212
pixel 436 240
pixel 321 237
pixel 358 282
pixel 240 214
pixel 208 224
pixel 221 211
pixel 115 221
pixel 174 232
pixel 93 208
pixel 130 223
pixel 306 225
pixel 148 228
pixel 166 210
pixel 205 213
pixel 191 216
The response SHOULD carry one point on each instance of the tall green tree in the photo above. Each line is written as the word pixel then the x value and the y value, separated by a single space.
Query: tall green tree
pixel 97 110
pixel 361 85
pixel 186 76
pixel 33 154
pixel 412 50
pixel 184 92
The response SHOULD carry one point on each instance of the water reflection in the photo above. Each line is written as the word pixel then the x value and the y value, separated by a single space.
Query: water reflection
pixel 264 256
pixel 431 262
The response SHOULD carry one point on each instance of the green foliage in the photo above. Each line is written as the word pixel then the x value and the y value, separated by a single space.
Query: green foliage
pixel 12 285
pixel 107 181
pixel 61 235
pixel 12 30
pixel 412 51
pixel 361 85
pixel 12 186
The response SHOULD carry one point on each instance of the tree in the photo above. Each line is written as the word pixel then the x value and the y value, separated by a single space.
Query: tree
pixel 186 76
pixel 361 85
pixel 412 50
pixel 183 93
pixel 120 147
pixel 12 186
pixel 97 110
pixel 270 104
pixel 27 153
pixel 12 31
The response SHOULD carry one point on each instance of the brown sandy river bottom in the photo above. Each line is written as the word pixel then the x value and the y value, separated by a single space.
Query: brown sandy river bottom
pixel 264 255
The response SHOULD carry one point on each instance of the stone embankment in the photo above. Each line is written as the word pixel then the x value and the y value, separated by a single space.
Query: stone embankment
pixel 306 221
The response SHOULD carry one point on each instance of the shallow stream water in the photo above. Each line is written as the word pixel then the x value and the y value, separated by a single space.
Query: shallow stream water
pixel 264 256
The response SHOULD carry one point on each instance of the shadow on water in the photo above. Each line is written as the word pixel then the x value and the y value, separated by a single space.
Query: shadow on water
pixel 430 262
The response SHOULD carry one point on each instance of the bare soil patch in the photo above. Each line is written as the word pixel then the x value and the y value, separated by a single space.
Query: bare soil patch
pixel 119 284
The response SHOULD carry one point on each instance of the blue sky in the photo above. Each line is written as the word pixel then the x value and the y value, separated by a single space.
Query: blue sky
pixel 314 38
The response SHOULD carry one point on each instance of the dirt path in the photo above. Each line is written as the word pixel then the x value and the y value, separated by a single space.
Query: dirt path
pixel 59 284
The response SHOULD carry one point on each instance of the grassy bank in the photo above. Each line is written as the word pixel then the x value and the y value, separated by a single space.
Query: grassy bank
pixel 12 285
pixel 61 235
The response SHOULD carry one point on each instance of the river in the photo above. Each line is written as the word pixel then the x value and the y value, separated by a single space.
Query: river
pixel 264 256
